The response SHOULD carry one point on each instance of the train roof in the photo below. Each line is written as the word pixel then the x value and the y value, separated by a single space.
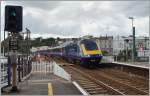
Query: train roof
pixel 68 42
pixel 62 45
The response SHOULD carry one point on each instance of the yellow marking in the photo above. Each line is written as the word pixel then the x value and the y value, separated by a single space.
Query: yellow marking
pixel 85 52
pixel 94 52
pixel 50 89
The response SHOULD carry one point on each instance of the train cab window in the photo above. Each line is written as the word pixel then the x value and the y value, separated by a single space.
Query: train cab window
pixel 89 45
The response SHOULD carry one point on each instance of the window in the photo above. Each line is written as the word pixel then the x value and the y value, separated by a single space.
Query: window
pixel 89 45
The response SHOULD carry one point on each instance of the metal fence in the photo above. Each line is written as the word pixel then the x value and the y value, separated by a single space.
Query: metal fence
pixel 24 67
pixel 4 71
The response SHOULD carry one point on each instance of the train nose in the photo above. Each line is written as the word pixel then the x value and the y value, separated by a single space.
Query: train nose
pixel 91 59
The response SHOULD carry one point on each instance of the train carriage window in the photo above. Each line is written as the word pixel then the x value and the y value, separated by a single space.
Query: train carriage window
pixel 75 47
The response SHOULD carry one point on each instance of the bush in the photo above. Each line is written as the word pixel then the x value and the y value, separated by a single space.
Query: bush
pixel 104 52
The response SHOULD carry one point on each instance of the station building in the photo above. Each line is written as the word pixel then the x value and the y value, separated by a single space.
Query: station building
pixel 121 43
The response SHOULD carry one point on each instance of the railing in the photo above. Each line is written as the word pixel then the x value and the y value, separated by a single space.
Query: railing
pixel 4 71
pixel 24 67
pixel 50 67
pixel 44 66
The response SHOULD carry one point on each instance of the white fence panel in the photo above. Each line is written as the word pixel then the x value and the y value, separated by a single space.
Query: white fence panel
pixel 57 70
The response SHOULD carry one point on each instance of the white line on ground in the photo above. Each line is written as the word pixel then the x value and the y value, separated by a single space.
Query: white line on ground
pixel 80 88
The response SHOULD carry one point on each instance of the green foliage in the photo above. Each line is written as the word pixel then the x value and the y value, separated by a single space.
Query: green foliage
pixel 24 45
pixel 37 42
pixel 104 52
pixel 123 56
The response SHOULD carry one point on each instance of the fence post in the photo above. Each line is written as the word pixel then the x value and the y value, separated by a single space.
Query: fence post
pixel 9 71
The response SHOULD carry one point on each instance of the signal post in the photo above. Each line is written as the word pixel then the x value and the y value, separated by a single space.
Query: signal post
pixel 13 24
pixel 13 46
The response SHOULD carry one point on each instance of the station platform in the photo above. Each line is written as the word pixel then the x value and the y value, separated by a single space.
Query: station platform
pixel 37 84
pixel 135 64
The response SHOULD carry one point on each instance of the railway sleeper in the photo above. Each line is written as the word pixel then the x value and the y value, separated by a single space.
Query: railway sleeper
pixel 141 87
pixel 87 87
pixel 83 81
pixel 133 85
pixel 125 84
pixel 92 86
pixel 87 83
pixel 98 92
pixel 80 78
pixel 90 89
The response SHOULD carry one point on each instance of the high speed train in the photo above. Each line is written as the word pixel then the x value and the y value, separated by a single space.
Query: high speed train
pixel 85 51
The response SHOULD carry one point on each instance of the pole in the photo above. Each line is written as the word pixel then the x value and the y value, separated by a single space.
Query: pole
pixel 0 44
pixel 14 71
pixel 28 47
pixel 14 64
pixel 132 43
pixel 132 39
pixel 14 83
pixel 126 52
pixel 4 45
pixel 19 69
pixel 127 40
pixel 134 49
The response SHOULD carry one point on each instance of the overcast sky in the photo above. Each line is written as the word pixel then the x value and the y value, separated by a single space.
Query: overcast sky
pixel 78 18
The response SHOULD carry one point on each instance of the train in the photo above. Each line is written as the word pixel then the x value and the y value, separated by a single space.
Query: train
pixel 85 51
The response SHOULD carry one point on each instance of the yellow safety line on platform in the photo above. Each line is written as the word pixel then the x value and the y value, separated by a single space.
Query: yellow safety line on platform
pixel 50 89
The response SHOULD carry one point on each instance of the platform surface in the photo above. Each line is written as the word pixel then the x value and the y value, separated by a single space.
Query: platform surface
pixel 136 64
pixel 37 84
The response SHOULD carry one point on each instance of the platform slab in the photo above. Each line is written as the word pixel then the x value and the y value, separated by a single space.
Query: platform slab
pixel 37 84
pixel 135 64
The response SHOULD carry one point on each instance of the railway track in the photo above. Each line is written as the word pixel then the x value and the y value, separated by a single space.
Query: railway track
pixel 141 84
pixel 91 85
pixel 118 81
pixel 120 85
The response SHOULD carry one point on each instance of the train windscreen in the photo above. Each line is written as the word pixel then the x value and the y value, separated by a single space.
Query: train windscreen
pixel 89 45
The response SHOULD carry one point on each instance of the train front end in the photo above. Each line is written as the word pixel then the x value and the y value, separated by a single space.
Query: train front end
pixel 91 53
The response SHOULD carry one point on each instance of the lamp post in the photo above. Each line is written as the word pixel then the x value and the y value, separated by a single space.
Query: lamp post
pixel 127 41
pixel 133 40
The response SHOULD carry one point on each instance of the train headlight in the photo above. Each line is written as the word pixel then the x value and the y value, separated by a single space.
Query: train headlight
pixel 87 55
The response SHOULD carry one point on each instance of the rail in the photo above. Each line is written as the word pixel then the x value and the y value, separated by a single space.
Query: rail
pixel 98 81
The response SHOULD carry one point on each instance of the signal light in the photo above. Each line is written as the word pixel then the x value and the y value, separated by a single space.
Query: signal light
pixel 13 18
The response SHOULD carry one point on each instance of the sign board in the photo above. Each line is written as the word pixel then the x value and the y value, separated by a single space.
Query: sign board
pixel 13 43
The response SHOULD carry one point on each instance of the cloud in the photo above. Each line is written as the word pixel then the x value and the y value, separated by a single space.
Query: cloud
pixel 78 18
